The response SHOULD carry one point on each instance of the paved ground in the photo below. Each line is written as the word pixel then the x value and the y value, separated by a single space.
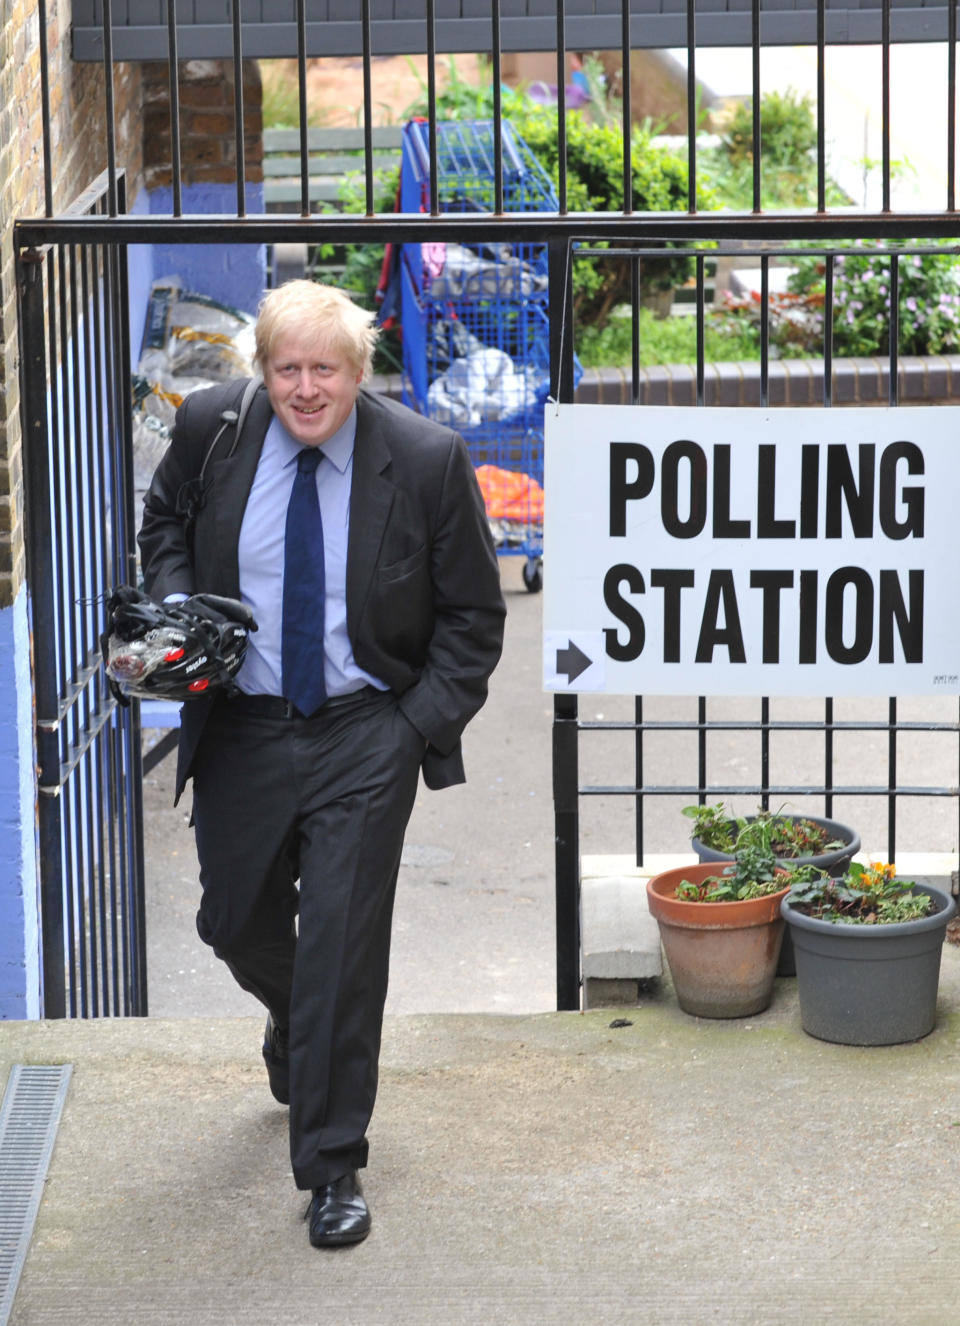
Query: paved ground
pixel 524 1169
pixel 526 1166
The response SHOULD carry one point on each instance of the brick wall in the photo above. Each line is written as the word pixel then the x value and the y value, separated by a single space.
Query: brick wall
pixel 922 380
pixel 20 190
pixel 78 146
pixel 207 135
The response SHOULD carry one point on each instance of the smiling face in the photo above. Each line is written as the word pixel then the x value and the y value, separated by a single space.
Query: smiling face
pixel 312 385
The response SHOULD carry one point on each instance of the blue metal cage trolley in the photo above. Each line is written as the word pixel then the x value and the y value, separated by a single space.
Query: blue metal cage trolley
pixel 476 352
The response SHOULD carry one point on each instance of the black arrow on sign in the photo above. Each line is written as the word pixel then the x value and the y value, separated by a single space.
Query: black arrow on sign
pixel 572 661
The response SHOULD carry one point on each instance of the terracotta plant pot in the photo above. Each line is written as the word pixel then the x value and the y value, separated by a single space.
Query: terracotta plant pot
pixel 870 984
pixel 832 863
pixel 722 955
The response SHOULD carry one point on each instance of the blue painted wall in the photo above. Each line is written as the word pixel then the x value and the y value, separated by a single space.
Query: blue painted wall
pixel 139 278
pixel 19 885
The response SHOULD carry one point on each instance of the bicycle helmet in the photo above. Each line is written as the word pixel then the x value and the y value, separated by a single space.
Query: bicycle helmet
pixel 173 651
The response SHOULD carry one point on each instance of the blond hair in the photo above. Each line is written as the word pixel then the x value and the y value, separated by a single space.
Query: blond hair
pixel 322 311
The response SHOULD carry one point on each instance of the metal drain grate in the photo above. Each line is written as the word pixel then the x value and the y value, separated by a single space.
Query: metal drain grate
pixel 29 1119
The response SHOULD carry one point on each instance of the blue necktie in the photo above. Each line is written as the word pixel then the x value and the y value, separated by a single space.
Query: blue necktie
pixel 301 657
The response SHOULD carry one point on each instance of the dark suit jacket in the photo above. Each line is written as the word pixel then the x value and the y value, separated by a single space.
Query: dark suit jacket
pixel 424 607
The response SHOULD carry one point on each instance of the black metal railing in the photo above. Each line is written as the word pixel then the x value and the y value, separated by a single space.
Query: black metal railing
pixel 87 245
pixel 75 363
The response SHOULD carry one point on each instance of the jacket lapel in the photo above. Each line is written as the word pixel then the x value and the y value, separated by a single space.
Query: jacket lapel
pixel 371 498
pixel 230 487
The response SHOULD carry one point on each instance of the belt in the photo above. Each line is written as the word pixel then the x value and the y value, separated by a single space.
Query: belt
pixel 275 706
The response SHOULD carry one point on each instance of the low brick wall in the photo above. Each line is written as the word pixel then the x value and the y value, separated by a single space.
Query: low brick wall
pixel 923 380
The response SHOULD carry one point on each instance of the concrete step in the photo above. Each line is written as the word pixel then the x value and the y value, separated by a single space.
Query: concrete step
pixel 526 1169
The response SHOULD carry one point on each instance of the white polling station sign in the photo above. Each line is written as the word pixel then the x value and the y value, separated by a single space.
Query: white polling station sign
pixel 713 551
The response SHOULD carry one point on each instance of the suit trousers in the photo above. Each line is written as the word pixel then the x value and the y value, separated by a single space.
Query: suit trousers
pixel 325 800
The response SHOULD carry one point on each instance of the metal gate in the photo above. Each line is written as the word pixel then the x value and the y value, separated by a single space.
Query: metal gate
pixel 77 429
pixel 74 367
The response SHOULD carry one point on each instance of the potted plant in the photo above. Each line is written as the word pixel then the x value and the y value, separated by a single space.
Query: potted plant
pixel 721 930
pixel 867 949
pixel 797 840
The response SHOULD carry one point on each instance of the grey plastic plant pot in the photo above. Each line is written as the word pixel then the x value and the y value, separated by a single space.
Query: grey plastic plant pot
pixel 869 984
pixel 832 863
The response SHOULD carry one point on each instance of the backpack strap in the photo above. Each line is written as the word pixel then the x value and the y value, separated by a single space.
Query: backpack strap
pixel 192 494
pixel 249 391
pixel 236 418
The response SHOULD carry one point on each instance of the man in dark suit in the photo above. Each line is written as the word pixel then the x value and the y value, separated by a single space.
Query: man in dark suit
pixel 356 532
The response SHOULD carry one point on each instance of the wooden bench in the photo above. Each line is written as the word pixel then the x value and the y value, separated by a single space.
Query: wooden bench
pixel 333 154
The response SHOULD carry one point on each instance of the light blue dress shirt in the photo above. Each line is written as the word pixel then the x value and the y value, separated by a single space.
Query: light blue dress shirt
pixel 261 556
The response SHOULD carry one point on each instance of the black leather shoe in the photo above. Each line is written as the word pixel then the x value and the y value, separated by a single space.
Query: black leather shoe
pixel 338 1214
pixel 276 1055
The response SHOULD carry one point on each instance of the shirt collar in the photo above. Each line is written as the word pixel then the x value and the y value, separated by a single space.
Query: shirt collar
pixel 337 449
